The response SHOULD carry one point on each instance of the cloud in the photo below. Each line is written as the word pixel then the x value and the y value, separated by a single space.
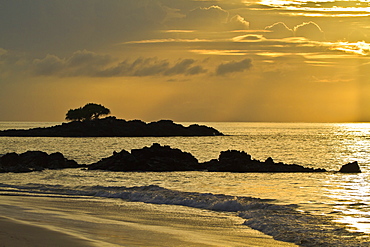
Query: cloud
pixel 81 63
pixel 195 70
pixel 153 67
pixel 49 65
pixel 309 30
pixel 207 17
pixel 211 18
pixel 81 58
pixel 278 31
pixel 220 52
pixel 184 67
pixel 249 38
pixel 334 8
pixel 234 66
pixel 238 23
pixel 10 63
pixel 2 51
pixel 169 40
pixel 90 64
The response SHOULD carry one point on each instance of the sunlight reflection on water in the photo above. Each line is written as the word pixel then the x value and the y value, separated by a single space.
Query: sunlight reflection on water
pixel 350 195
pixel 324 145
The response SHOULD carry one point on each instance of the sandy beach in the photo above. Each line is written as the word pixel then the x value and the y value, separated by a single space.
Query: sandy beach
pixel 81 221
pixel 16 233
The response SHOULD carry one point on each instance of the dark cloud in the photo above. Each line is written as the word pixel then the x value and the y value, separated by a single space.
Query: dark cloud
pixel 50 65
pixel 185 67
pixel 81 58
pixel 87 63
pixel 81 63
pixel 16 64
pixel 196 70
pixel 153 67
pixel 234 66
pixel 2 52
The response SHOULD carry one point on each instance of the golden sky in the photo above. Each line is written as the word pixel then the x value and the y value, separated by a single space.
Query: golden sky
pixel 186 60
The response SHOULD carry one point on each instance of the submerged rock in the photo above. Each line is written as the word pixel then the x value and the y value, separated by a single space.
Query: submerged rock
pixel 112 127
pixel 350 168
pixel 34 161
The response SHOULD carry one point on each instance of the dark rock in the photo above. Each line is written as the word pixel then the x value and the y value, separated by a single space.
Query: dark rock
pixel 165 158
pixel 239 161
pixel 269 161
pixel 9 159
pixel 112 127
pixel 58 161
pixel 154 158
pixel 122 161
pixel 34 161
pixel 350 168
pixel 230 161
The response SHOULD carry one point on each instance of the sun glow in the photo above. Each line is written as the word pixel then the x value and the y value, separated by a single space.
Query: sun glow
pixel 360 48
pixel 221 52
pixel 322 8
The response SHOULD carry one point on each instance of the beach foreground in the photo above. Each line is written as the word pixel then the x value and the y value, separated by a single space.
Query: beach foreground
pixel 84 221
pixel 20 233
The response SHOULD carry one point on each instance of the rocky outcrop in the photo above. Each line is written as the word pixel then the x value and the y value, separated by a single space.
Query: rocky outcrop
pixel 34 161
pixel 112 127
pixel 239 161
pixel 154 158
pixel 164 158
pixel 350 168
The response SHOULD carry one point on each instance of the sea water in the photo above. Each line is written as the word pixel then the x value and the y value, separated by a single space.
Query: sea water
pixel 330 209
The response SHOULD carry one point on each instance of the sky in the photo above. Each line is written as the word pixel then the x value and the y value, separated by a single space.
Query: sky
pixel 186 60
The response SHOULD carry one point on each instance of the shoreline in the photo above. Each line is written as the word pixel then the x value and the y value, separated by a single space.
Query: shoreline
pixel 88 221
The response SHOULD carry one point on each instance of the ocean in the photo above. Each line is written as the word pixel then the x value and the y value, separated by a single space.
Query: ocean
pixel 309 209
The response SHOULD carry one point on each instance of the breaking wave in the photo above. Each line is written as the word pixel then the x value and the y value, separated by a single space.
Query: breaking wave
pixel 283 222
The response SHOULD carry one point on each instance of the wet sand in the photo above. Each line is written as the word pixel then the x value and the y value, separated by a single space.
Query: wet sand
pixel 77 221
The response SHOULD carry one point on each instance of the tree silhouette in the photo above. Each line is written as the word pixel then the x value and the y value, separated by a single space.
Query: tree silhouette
pixel 75 114
pixel 89 112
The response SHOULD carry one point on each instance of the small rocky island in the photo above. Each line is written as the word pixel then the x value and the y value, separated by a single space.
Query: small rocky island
pixel 86 122
pixel 112 127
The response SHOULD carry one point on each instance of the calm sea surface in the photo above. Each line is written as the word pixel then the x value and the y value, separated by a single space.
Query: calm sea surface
pixel 343 197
